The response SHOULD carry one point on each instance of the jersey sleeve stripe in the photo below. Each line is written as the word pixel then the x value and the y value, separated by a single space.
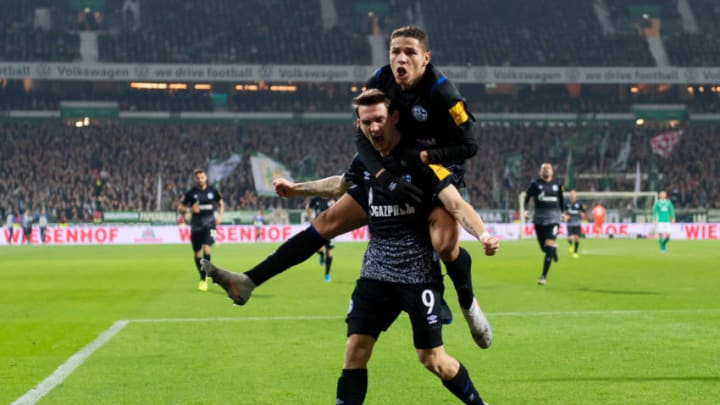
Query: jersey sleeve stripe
pixel 439 81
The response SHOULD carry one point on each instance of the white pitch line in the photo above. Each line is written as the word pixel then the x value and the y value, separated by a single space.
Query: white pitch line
pixel 493 314
pixel 76 360
pixel 65 369
pixel 251 318
pixel 607 312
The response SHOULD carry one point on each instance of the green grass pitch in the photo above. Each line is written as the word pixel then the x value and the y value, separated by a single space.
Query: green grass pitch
pixel 622 324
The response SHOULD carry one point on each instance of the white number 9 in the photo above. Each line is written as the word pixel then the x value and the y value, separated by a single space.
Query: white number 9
pixel 428 299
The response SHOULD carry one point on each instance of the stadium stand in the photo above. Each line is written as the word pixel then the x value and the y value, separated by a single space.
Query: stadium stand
pixel 115 164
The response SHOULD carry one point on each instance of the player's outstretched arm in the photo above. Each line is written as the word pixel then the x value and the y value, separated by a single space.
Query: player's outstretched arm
pixel 468 218
pixel 329 187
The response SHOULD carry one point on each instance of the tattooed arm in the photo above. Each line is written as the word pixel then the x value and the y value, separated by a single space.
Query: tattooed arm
pixel 328 187
pixel 468 218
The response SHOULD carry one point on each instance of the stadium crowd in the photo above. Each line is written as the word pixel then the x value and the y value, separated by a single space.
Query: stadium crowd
pixel 335 97
pixel 77 172
pixel 115 165
pixel 508 33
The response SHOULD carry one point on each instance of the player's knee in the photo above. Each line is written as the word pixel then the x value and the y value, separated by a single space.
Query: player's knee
pixel 445 242
pixel 429 360
pixel 326 225
pixel 357 351
pixel 437 362
pixel 447 253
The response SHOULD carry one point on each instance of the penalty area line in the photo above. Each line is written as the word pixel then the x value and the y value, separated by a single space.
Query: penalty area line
pixel 67 368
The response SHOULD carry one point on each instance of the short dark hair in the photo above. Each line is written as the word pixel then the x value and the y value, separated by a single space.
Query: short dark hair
pixel 198 171
pixel 370 97
pixel 413 31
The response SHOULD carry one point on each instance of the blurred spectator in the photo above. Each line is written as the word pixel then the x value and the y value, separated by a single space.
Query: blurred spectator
pixel 475 32
pixel 56 166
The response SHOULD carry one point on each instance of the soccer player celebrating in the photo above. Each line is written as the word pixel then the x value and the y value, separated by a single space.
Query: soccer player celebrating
pixel 663 215
pixel 574 214
pixel 201 200
pixel 547 196
pixel 400 271
pixel 438 130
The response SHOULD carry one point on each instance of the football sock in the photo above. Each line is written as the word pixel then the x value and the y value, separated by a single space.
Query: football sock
pixel 462 387
pixel 206 257
pixel 459 273
pixel 295 250
pixel 549 253
pixel 199 268
pixel 328 263
pixel 322 258
pixel 577 245
pixel 352 386
pixel 665 242
pixel 661 242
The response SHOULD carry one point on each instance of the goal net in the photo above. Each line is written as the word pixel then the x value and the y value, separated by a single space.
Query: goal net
pixel 620 207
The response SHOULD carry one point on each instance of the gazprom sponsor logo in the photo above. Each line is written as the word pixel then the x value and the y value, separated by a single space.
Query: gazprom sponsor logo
pixel 394 210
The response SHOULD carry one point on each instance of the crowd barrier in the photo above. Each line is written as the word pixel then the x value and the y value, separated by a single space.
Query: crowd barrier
pixel 168 234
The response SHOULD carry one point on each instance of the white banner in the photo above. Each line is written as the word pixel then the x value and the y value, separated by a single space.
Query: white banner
pixel 219 169
pixel 169 234
pixel 265 170
pixel 349 73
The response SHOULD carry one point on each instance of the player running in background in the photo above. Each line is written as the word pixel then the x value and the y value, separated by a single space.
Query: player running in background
pixel 258 223
pixel 574 215
pixel 201 200
pixel 547 196
pixel 663 215
pixel 598 213
pixel 313 208
pixel 26 221
pixel 10 224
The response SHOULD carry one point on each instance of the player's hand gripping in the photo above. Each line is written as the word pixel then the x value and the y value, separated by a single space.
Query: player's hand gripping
pixel 490 244
pixel 399 189
pixel 283 188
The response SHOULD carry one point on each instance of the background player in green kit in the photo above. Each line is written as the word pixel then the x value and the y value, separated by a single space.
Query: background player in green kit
pixel 663 215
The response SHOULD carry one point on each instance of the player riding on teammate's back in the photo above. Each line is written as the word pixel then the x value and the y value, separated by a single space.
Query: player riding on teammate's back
pixel 438 127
